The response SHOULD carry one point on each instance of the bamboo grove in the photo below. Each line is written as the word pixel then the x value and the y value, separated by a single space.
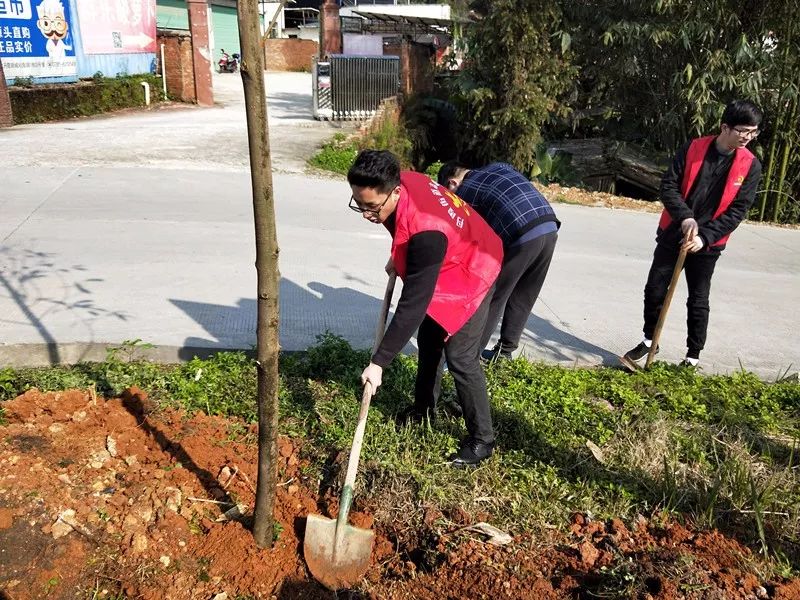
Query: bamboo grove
pixel 651 72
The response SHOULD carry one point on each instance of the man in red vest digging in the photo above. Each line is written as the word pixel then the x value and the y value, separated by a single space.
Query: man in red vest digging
pixel 706 193
pixel 448 258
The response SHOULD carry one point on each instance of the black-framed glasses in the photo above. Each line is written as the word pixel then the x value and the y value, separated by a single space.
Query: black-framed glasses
pixel 354 205
pixel 751 133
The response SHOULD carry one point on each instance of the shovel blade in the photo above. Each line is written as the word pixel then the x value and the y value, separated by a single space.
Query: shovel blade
pixel 336 567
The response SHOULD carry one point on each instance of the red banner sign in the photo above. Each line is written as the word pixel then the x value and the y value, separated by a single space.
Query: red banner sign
pixel 117 26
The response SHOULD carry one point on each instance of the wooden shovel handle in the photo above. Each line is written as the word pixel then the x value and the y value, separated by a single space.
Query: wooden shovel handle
pixel 662 316
pixel 366 397
pixel 387 302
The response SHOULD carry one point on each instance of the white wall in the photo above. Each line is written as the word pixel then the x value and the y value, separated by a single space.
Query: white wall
pixel 270 8
pixel 362 45
pixel 431 11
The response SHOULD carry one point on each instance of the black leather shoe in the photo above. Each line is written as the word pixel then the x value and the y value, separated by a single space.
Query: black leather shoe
pixel 471 453
pixel 416 415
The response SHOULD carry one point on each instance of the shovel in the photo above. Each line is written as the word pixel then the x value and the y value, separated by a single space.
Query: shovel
pixel 338 554
pixel 662 316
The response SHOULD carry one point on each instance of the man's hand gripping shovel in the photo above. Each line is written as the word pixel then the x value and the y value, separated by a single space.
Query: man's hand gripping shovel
pixel 337 553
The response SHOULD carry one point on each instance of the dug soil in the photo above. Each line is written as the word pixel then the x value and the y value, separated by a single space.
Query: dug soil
pixel 106 498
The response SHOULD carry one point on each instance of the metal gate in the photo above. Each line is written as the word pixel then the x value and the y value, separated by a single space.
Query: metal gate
pixel 352 87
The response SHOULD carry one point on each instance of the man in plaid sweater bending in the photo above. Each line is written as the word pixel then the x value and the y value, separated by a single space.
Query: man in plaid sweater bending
pixel 528 226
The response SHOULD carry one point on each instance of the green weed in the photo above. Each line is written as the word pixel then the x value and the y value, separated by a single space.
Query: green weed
pixel 277 530
pixel 23 82
pixel 433 169
pixel 7 385
pixel 335 155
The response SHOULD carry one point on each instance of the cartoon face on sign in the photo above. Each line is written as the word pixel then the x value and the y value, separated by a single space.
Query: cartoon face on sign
pixel 53 25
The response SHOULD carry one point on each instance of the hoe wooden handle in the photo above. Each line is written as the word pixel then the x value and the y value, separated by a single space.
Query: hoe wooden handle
pixel 662 316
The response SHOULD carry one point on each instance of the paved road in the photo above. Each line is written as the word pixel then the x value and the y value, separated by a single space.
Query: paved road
pixel 179 136
pixel 103 245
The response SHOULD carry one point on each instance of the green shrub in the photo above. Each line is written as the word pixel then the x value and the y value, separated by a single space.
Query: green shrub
pixel 433 169
pixel 555 168
pixel 39 103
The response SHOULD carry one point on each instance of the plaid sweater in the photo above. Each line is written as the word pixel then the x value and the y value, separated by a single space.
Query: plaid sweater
pixel 506 200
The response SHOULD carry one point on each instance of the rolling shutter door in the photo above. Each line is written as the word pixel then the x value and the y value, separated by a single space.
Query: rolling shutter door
pixel 172 14
pixel 226 30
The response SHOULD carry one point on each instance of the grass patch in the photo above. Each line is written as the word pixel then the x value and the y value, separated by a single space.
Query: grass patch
pixel 386 132
pixel 336 155
pixel 720 451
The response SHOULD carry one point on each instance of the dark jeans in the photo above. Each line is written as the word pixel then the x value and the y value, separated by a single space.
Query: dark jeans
pixel 462 352
pixel 518 285
pixel 698 269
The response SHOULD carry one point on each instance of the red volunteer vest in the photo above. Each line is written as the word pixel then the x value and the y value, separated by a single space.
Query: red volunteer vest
pixel 474 252
pixel 736 176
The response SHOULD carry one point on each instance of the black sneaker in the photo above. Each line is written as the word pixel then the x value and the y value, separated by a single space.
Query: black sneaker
pixel 629 359
pixel 495 354
pixel 416 415
pixel 471 453
pixel 686 364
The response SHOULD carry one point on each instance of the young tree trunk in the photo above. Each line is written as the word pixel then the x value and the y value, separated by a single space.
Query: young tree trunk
pixel 252 70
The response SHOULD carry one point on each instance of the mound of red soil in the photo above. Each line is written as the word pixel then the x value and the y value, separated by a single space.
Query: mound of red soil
pixel 102 494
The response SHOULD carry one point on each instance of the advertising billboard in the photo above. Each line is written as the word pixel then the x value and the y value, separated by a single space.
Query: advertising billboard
pixel 36 38
pixel 117 26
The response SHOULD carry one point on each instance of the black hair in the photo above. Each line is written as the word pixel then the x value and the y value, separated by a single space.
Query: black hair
pixel 377 169
pixel 742 112
pixel 449 170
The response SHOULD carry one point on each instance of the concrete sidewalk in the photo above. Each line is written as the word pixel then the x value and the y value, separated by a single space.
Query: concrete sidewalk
pixel 95 256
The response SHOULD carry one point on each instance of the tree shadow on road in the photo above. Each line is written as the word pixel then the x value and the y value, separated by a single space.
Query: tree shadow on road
pixel 306 312
pixel 42 291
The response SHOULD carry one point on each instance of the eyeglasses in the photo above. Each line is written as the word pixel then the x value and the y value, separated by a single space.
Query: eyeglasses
pixel 748 133
pixel 354 205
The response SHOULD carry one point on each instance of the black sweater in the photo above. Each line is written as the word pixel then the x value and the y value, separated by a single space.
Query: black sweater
pixel 424 260
pixel 704 198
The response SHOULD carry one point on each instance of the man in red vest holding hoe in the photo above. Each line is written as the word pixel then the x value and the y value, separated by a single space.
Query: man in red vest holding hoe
pixel 448 258
pixel 706 193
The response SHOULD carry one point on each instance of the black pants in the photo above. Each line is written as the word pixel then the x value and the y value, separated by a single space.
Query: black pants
pixel 462 351
pixel 698 269
pixel 517 288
